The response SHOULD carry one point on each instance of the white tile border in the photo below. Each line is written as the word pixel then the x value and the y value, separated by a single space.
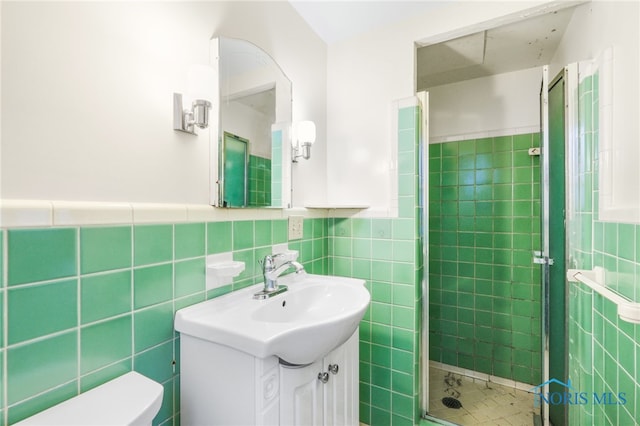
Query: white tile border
pixel 27 213
pixel 67 213
pixel 47 213
pixel 482 376
pixel 489 134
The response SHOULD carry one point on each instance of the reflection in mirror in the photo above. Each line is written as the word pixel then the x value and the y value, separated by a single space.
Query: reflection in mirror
pixel 253 169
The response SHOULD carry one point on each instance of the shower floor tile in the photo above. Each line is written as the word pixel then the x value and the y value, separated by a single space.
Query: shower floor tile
pixel 483 403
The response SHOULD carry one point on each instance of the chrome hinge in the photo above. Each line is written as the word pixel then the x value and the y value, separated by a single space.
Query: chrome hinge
pixel 541 260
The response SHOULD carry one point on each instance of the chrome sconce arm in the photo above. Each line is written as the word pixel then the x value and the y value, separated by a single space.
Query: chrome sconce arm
pixel 186 120
pixel 305 137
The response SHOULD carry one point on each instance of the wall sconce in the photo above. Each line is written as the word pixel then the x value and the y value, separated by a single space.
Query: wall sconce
pixel 201 88
pixel 306 136
pixel 185 120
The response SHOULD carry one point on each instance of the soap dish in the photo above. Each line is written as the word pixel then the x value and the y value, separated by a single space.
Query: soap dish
pixel 221 269
pixel 226 269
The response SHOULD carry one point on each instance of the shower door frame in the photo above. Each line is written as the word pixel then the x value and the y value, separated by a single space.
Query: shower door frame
pixel 548 257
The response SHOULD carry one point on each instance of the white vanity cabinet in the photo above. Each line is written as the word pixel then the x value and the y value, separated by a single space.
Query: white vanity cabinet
pixel 223 386
pixel 322 393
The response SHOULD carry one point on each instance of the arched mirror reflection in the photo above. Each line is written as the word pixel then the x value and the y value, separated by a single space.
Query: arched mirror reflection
pixel 250 159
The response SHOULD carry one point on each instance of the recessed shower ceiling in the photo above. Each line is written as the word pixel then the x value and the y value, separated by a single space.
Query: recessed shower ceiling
pixel 525 44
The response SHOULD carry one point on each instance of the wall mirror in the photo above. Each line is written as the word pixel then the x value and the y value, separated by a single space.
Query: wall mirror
pixel 250 134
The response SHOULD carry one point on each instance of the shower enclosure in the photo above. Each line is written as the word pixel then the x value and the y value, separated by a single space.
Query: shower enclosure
pixel 494 196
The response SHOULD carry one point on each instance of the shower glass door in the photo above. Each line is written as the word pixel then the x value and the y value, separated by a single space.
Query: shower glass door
pixel 552 257
pixel 235 156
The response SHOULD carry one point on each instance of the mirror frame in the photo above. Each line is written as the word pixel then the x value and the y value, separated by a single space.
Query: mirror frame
pixel 216 133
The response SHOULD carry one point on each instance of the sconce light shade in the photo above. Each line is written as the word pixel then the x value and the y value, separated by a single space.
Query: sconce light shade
pixel 306 136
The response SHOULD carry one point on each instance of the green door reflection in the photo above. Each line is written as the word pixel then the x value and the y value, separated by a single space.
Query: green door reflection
pixel 235 170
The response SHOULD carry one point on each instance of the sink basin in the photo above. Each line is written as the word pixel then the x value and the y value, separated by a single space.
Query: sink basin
pixel 317 314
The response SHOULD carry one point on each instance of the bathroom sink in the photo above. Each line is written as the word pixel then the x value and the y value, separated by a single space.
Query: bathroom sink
pixel 314 316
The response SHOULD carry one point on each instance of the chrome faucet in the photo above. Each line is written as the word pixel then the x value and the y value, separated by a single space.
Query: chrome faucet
pixel 271 274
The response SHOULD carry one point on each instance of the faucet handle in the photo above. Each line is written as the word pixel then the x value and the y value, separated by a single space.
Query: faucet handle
pixel 269 262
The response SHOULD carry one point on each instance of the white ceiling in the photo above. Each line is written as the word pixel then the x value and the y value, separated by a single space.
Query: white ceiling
pixel 520 45
pixel 341 19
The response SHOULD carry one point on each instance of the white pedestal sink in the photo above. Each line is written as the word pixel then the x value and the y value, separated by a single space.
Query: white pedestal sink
pixel 316 315
pixel 292 358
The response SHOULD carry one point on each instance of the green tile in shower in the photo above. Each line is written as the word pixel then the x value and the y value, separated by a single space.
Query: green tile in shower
pixel 522 175
pixel 190 240
pixel 40 254
pixel 152 244
pixel 36 367
pixel 152 285
pixel 484 161
pixel 37 310
pixel 105 248
pixel 105 343
pixel 449 149
pixel 219 237
pixel 521 142
pixel 503 143
pixel 466 162
pixel 105 295
pixel 468 147
pixel 484 145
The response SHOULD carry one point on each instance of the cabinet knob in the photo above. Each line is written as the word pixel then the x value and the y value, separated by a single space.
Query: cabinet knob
pixel 333 368
pixel 323 377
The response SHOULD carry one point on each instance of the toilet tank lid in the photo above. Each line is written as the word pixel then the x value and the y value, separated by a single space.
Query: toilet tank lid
pixel 124 400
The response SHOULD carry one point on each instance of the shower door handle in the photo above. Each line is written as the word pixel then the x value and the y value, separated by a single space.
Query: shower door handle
pixel 539 259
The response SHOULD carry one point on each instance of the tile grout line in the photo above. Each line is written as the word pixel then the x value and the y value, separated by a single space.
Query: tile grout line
pixel 4 245
pixel 78 312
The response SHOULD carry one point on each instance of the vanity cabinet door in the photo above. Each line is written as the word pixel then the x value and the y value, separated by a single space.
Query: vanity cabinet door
pixel 324 393
pixel 301 395
pixel 341 394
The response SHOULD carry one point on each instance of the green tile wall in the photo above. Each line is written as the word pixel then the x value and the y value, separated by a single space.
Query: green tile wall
pixel 604 351
pixel 387 253
pixel 259 181
pixel 276 169
pixel 484 224
pixel 87 304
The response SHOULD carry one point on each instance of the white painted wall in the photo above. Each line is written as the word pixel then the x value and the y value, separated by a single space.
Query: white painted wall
pixel 595 27
pixel 365 75
pixel 87 95
pixel 503 102
pixel 249 123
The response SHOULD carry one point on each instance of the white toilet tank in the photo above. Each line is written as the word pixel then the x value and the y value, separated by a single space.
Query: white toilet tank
pixel 131 399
